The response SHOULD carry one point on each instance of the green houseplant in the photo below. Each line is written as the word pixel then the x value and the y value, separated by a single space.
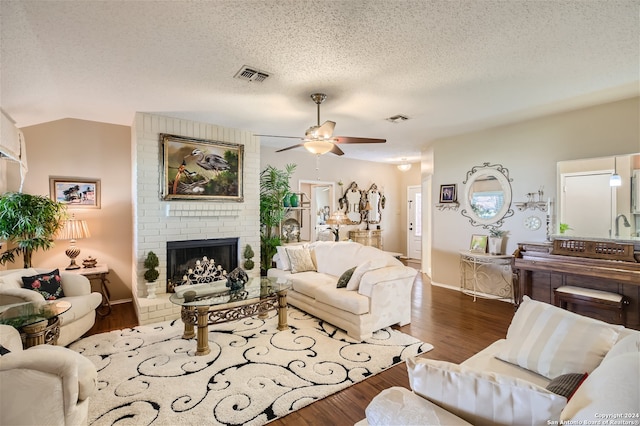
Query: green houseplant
pixel 274 186
pixel 30 223
pixel 151 274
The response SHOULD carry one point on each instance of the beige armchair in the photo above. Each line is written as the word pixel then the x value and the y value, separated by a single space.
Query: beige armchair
pixel 77 290
pixel 43 385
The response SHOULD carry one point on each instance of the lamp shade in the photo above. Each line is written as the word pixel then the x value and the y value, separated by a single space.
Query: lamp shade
pixel 74 229
pixel 338 218
pixel 318 147
pixel 615 180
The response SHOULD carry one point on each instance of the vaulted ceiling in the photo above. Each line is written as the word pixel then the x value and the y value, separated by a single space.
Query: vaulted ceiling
pixel 450 66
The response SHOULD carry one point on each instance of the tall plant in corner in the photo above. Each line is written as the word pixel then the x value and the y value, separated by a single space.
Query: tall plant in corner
pixel 274 185
pixel 29 223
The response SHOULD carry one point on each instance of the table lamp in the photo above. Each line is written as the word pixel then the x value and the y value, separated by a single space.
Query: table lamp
pixel 367 208
pixel 338 218
pixel 73 229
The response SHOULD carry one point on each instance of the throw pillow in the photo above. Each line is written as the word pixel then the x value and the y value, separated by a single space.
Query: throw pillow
pixel 483 398
pixel 48 285
pixel 369 265
pixel 282 254
pixel 345 277
pixel 300 260
pixel 567 384
pixel 551 341
pixel 4 351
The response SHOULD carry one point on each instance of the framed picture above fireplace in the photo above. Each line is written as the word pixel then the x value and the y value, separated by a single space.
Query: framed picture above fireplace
pixel 201 169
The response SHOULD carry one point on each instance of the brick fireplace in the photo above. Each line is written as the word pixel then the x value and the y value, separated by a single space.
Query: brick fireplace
pixel 156 222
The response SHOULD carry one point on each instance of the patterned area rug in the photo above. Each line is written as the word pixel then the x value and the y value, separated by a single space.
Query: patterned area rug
pixel 254 374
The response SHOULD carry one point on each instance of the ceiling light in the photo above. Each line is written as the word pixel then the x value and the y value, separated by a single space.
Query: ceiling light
pixel 398 118
pixel 404 167
pixel 615 179
pixel 318 147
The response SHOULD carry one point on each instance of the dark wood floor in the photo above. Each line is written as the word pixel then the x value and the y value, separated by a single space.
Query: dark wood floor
pixel 452 322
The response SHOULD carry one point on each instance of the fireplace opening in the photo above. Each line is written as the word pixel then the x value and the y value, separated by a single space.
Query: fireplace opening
pixel 183 255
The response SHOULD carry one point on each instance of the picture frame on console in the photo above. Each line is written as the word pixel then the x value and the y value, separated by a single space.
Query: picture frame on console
pixel 201 169
pixel 75 192
pixel 448 193
pixel 478 243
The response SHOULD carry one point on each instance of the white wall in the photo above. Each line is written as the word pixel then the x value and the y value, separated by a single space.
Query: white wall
pixel 530 151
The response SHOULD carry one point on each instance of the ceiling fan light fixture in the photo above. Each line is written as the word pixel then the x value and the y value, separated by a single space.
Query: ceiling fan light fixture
pixel 319 146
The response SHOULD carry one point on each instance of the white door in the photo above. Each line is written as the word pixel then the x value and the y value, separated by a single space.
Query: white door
pixel 587 204
pixel 414 222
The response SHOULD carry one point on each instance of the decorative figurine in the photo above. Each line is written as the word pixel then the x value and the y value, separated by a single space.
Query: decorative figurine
pixel 237 279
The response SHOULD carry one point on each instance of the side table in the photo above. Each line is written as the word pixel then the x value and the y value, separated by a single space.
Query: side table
pixel 487 274
pixel 99 272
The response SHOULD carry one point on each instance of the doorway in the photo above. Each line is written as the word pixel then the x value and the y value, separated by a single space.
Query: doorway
pixel 414 222
pixel 321 205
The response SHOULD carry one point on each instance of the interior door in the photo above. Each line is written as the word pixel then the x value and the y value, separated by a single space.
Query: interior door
pixel 414 222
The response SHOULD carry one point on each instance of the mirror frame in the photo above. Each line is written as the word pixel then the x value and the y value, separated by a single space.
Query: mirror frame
pixel 502 175
pixel 344 203
pixel 379 205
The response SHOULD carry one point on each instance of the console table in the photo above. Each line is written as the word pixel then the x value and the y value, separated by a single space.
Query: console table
pixel 98 273
pixel 486 274
pixel 371 237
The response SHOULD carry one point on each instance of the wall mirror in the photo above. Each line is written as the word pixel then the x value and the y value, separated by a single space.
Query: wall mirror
pixel 487 196
pixel 374 202
pixel 590 206
pixel 351 202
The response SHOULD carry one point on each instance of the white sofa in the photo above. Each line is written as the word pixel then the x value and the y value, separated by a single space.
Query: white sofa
pixel 43 385
pixel 77 290
pixel 544 345
pixel 377 295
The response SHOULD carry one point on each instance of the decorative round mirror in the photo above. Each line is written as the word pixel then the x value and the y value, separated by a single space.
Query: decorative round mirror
pixel 487 196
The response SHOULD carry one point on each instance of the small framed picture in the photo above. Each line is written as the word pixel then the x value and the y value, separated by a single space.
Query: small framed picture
pixel 448 193
pixel 75 192
pixel 478 243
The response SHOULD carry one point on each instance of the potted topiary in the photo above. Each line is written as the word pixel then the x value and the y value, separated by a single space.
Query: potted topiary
pixel 248 258
pixel 30 222
pixel 151 274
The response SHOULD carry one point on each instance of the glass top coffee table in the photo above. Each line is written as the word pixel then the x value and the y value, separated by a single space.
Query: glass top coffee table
pixel 213 303
pixel 38 323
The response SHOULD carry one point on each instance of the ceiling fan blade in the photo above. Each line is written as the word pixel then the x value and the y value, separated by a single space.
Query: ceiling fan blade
pixel 335 150
pixel 290 147
pixel 347 139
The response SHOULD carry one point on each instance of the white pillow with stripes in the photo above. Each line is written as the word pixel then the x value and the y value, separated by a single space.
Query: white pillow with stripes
pixel 551 341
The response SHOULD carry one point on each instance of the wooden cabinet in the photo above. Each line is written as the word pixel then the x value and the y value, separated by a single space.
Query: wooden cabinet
pixel 372 237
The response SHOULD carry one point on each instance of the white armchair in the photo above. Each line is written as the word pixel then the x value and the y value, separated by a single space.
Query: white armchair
pixel 43 385
pixel 77 290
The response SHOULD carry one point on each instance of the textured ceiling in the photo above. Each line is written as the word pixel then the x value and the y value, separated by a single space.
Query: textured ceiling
pixel 451 66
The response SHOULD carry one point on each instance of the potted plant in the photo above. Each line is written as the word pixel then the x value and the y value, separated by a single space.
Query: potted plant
pixel 496 237
pixel 248 258
pixel 30 222
pixel 151 274
pixel 564 227
pixel 274 185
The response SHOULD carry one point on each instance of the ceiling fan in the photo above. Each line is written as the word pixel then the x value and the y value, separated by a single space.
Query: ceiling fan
pixel 319 139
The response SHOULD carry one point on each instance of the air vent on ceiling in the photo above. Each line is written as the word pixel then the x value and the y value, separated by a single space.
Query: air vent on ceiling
pixel 397 118
pixel 248 73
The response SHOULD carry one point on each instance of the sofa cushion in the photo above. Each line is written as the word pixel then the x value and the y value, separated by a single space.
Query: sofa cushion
pixel 483 398
pixel 47 284
pixel 300 260
pixel 613 389
pixel 358 273
pixel 567 384
pixel 334 258
pixel 14 279
pixel 345 277
pixel 629 343
pixel 551 341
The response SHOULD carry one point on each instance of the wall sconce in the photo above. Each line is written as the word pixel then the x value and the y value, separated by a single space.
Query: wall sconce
pixel 338 218
pixel 73 229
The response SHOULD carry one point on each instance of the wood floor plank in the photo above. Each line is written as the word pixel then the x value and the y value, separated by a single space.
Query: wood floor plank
pixel 452 322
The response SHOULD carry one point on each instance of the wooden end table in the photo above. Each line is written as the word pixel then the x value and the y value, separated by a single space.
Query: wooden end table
pixel 97 273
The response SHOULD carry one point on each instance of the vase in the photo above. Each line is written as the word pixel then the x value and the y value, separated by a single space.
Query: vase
pixel 294 200
pixel 151 290
pixel 495 245
pixel 286 201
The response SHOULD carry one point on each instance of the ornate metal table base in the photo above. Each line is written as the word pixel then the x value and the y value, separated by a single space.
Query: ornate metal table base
pixel 486 274
pixel 203 316
pixel 40 333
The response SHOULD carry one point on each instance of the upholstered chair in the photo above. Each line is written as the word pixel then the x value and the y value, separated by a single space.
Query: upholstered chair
pixel 43 385
pixel 76 288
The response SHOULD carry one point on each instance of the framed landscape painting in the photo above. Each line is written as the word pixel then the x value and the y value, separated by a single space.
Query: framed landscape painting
pixel 478 243
pixel 200 169
pixel 75 192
